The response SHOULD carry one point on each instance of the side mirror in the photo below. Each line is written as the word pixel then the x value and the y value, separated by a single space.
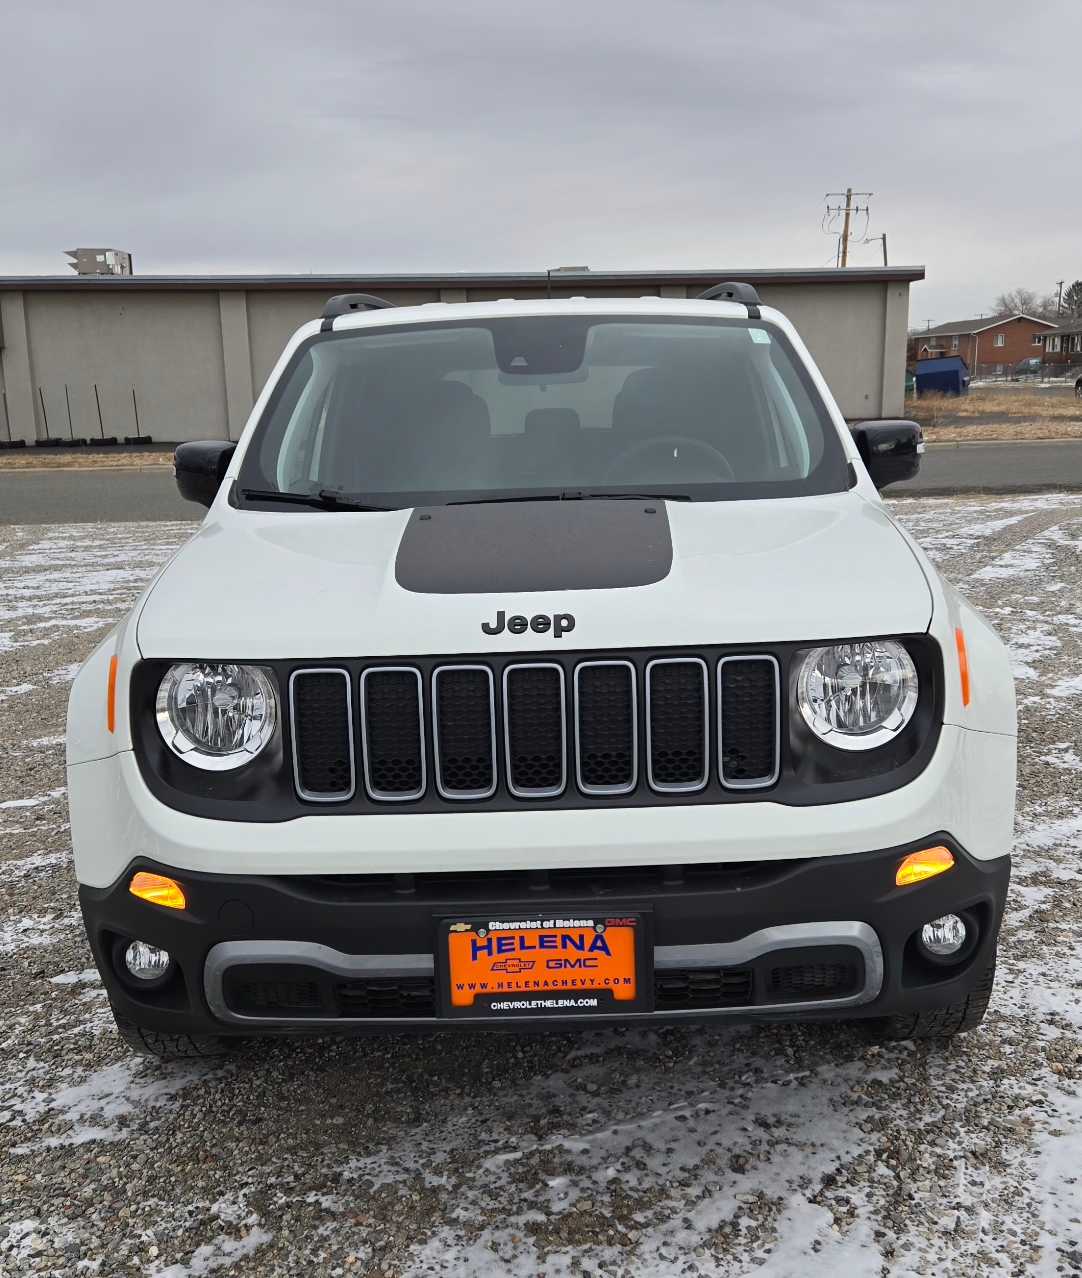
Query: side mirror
pixel 200 468
pixel 890 450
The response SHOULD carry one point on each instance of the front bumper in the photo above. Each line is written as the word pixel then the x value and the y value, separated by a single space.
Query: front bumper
pixel 362 946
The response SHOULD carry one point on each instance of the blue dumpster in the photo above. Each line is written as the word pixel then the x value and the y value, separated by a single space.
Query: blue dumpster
pixel 946 376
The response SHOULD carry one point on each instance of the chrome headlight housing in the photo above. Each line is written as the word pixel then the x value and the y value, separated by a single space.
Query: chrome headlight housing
pixel 216 715
pixel 857 695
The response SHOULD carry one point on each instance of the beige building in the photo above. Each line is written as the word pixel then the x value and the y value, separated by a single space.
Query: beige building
pixel 183 357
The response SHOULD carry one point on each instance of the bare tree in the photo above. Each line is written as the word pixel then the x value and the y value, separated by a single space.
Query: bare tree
pixel 1026 301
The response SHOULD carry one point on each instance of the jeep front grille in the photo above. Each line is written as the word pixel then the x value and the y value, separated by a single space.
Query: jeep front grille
pixel 535 730
pixel 392 733
pixel 582 730
pixel 677 730
pixel 321 704
pixel 606 727
pixel 464 731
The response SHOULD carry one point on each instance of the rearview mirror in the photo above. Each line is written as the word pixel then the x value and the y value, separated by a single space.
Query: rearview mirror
pixel 890 450
pixel 200 468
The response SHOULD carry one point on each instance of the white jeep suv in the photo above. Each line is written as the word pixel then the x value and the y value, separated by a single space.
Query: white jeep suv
pixel 544 661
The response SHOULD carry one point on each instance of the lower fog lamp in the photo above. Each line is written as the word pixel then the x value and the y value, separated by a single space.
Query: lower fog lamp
pixel 146 962
pixel 945 936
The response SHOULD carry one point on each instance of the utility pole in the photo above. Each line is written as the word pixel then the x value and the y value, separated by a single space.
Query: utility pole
pixel 1059 296
pixel 872 240
pixel 847 210
pixel 843 251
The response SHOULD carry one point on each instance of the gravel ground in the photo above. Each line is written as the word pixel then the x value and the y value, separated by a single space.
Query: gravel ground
pixel 705 1151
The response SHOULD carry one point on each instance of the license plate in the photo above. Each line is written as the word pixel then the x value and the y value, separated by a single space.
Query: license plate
pixel 549 965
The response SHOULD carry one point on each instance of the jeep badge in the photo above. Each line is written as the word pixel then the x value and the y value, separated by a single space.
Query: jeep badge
pixel 561 623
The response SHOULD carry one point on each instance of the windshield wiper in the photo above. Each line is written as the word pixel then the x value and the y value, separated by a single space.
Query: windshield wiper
pixel 325 499
pixel 585 494
pixel 573 494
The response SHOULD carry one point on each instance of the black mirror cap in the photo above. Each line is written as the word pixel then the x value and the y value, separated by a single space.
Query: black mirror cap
pixel 200 468
pixel 891 449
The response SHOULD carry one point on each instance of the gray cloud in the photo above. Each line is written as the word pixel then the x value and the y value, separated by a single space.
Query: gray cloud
pixel 416 135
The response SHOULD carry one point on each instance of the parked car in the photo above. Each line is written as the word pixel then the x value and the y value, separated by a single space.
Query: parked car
pixel 544 662
pixel 1026 368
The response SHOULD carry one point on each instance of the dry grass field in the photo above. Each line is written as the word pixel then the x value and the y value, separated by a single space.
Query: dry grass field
pixel 79 459
pixel 998 414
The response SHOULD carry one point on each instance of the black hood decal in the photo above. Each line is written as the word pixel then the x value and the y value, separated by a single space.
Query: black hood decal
pixel 542 545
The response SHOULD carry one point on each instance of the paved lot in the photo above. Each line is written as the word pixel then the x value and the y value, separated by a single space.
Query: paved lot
pixel 87 496
pixel 76 496
pixel 968 468
pixel 720 1151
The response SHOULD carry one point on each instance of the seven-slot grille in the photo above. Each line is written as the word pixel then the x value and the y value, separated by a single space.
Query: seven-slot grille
pixel 533 729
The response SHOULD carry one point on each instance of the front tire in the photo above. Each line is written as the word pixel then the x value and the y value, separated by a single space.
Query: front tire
pixel 940 1022
pixel 168 1047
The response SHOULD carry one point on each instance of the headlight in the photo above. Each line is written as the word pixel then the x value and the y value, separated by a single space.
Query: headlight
pixel 216 716
pixel 858 695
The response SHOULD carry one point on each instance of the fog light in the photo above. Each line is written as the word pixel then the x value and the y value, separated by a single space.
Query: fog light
pixel 146 962
pixel 944 936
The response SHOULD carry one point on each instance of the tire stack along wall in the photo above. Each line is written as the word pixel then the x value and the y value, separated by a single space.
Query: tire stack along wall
pixel 197 356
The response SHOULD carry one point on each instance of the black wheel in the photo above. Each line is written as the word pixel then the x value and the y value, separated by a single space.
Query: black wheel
pixel 940 1022
pixel 1078 389
pixel 168 1047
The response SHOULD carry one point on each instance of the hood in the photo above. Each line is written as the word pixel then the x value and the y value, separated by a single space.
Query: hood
pixel 297 585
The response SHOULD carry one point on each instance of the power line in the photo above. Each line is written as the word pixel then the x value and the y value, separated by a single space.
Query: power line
pixel 845 211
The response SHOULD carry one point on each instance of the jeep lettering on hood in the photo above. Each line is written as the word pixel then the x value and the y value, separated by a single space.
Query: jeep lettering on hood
pixel 560 624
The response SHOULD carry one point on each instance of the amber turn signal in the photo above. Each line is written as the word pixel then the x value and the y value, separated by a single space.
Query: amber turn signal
pixel 922 865
pixel 158 890
pixel 963 663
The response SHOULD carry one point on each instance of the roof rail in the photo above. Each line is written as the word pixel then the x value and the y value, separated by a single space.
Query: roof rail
pixel 734 291
pixel 347 303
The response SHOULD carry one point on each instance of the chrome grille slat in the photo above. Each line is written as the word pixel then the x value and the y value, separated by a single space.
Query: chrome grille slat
pixel 512 719
pixel 582 718
pixel 726 770
pixel 310 755
pixel 384 727
pixel 667 740
pixel 446 772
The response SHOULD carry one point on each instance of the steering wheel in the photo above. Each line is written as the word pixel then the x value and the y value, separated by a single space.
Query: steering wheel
pixel 678 456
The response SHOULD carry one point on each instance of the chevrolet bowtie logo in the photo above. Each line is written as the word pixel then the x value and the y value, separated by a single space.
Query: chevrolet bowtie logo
pixel 513 966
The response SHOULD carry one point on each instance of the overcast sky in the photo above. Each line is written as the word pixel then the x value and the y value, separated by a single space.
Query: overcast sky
pixel 418 135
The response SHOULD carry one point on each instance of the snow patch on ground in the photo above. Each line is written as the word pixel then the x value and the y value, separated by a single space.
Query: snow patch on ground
pixel 87 975
pixel 16 690
pixel 36 801
pixel 41 929
pixel 224 1252
pixel 99 1105
pixel 1063 755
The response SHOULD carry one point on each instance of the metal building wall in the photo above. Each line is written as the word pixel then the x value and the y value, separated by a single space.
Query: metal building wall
pixel 196 351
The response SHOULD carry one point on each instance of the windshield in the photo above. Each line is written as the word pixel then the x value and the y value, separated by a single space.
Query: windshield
pixel 543 406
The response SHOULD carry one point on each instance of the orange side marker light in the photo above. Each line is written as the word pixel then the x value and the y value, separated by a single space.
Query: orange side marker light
pixel 158 890
pixel 925 864
pixel 110 704
pixel 963 663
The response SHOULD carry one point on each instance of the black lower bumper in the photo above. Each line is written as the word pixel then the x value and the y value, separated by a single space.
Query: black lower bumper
pixel 353 953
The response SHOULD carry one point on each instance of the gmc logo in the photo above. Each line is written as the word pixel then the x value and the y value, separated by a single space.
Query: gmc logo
pixel 560 623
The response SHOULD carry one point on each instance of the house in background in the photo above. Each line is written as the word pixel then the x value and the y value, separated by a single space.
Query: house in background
pixel 1063 347
pixel 991 345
